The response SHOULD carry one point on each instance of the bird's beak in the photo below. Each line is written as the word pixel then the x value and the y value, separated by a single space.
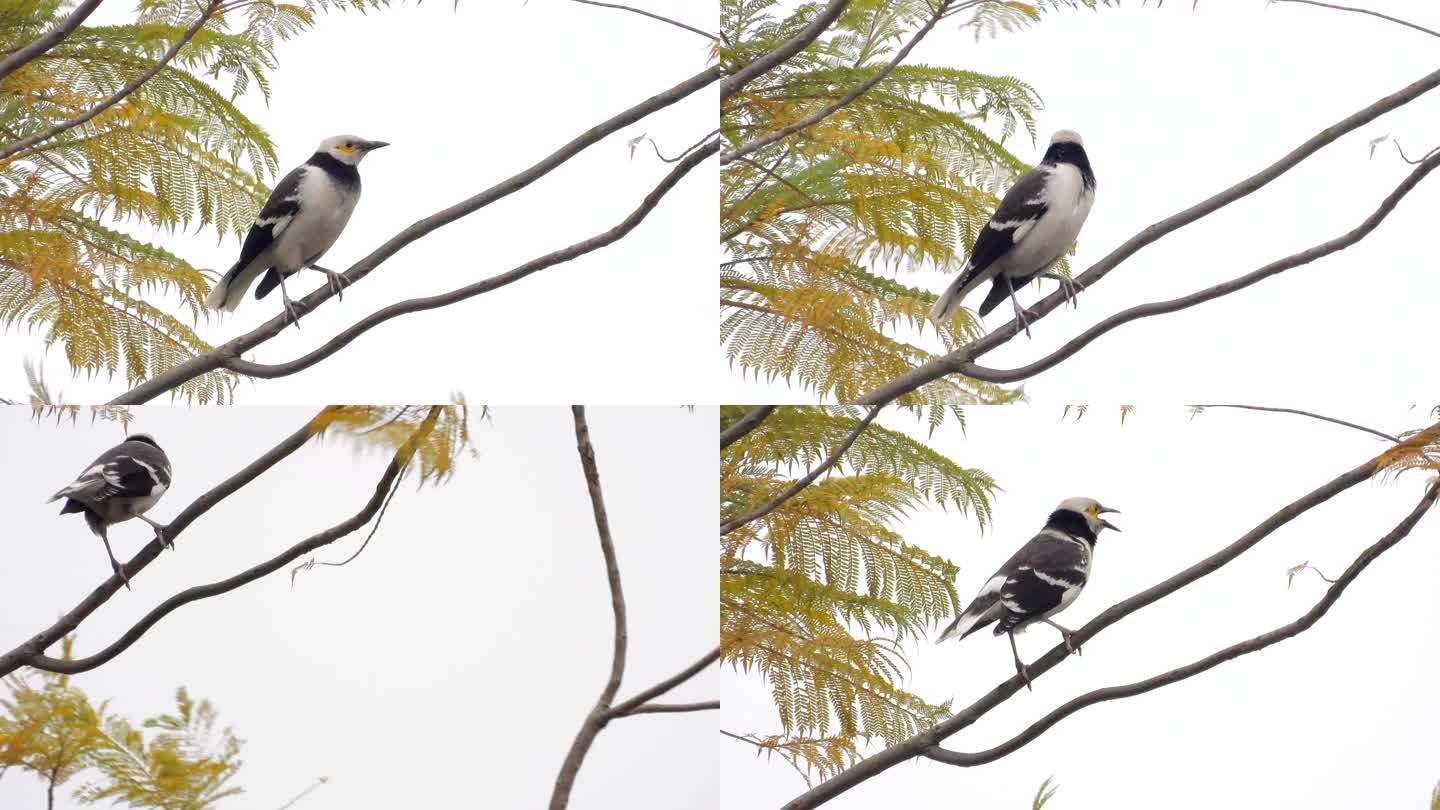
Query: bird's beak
pixel 1107 524
pixel 372 145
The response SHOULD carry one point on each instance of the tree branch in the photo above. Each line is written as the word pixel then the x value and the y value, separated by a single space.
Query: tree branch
pixel 130 87
pixel 1260 642
pixel 915 746
pixel 666 708
pixel 598 716
pixel 349 334
pixel 194 594
pixel 66 624
pixel 1332 420
pixel 1276 267
pixel 230 353
pixel 652 16
pixel 745 424
pixel 1364 11
pixel 794 489
pixel 860 90
pixel 827 17
pixel 53 37
pixel 967 354
pixel 634 704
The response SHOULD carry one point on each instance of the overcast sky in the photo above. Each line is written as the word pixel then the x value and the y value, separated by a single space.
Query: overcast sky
pixel 1176 105
pixel 452 663
pixel 1337 718
pixel 467 98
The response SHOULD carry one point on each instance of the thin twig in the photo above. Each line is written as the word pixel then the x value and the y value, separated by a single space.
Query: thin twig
pixel 1364 11
pixel 691 148
pixel 707 35
pixel 794 489
pixel 630 706
pixel 667 708
pixel 119 95
pixel 1418 160
pixel 1260 642
pixel 1330 419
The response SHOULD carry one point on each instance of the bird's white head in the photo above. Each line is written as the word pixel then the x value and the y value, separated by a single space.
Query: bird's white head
pixel 1091 510
pixel 1066 136
pixel 348 149
pixel 142 437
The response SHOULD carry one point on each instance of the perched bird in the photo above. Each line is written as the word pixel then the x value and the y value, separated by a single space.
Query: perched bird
pixel 1035 225
pixel 303 217
pixel 1040 580
pixel 123 483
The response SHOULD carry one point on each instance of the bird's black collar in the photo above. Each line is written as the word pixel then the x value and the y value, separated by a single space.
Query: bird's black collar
pixel 1074 154
pixel 343 173
pixel 1071 523
pixel 142 439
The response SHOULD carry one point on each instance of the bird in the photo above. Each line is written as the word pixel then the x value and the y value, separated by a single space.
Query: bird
pixel 304 216
pixel 123 483
pixel 1038 220
pixel 1040 580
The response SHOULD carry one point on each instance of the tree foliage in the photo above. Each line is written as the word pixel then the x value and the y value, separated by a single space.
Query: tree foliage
pixel 819 596
pixel 818 225
pixel 52 730
pixel 176 153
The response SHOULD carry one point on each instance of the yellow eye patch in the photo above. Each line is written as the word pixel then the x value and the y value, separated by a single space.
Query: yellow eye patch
pixel 347 148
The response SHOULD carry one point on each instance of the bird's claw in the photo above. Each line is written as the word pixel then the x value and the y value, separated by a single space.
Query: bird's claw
pixel 1070 646
pixel 291 315
pixel 1024 675
pixel 337 282
pixel 164 539
pixel 120 572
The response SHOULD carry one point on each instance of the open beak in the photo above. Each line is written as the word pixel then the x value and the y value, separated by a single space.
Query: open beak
pixel 372 145
pixel 1107 524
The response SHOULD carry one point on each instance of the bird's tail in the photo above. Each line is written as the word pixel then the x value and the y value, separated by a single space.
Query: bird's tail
pixel 973 618
pixel 70 505
pixel 949 301
pixel 998 293
pixel 229 290
pixel 268 283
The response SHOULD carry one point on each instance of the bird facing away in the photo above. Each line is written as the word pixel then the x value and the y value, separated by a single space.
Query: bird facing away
pixel 303 217
pixel 1040 580
pixel 123 483
pixel 1035 225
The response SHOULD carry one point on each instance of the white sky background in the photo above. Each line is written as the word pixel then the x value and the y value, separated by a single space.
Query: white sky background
pixel 1176 105
pixel 468 98
pixel 1339 717
pixel 452 663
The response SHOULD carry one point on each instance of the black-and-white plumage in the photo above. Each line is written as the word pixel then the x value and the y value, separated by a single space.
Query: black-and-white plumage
pixel 123 483
pixel 1037 222
pixel 302 219
pixel 1040 580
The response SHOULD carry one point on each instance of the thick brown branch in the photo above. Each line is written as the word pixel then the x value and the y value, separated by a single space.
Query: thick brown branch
pixel 51 38
pixel 615 234
pixel 1330 419
pixel 1364 11
pixel 632 706
pixel 67 623
pixel 351 524
pixel 745 424
pixel 599 715
pixel 119 95
pixel 795 488
pixel 965 356
pixel 827 17
pixel 859 90
pixel 1260 642
pixel 915 746
pixel 652 16
pixel 228 355
pixel 1276 267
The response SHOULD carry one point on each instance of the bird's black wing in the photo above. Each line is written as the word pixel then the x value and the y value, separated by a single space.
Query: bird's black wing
pixel 124 471
pixel 282 206
pixel 1038 576
pixel 1022 204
